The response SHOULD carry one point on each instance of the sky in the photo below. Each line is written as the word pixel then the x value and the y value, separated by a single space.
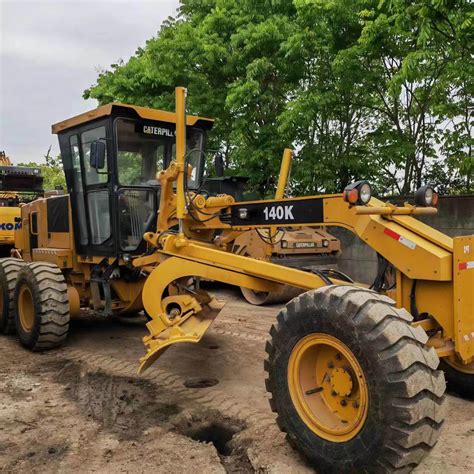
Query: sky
pixel 51 51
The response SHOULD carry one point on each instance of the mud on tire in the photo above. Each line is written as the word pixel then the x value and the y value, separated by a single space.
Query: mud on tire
pixel 41 306
pixel 9 268
pixel 405 389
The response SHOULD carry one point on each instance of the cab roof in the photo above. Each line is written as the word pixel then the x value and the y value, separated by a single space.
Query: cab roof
pixel 142 112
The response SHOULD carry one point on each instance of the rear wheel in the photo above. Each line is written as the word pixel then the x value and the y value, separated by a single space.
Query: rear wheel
pixel 353 383
pixel 459 377
pixel 9 268
pixel 41 306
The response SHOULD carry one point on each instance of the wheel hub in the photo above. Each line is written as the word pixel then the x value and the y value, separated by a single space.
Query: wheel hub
pixel 456 363
pixel 26 309
pixel 327 387
pixel 341 382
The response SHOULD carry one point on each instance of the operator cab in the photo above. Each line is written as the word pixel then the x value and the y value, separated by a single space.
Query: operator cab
pixel 111 157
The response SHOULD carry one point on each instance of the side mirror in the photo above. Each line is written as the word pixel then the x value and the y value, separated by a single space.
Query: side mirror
pixel 97 155
pixel 219 165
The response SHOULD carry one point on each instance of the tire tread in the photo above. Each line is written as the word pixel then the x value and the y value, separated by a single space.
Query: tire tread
pixel 411 368
pixel 8 275
pixel 51 304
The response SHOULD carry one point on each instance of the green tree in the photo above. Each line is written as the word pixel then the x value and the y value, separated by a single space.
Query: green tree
pixel 359 88
pixel 416 58
pixel 326 116
pixel 229 55
pixel 51 170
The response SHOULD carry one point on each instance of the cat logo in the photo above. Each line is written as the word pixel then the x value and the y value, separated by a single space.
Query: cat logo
pixel 10 226
pixel 150 130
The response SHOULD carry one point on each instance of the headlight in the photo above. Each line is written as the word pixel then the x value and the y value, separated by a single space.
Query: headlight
pixel 325 243
pixel 284 244
pixel 358 193
pixel 426 196
pixel 127 258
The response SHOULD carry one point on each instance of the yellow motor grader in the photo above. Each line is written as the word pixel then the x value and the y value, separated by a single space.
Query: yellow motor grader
pixel 352 373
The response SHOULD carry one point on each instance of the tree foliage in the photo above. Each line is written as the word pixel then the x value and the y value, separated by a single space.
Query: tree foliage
pixel 373 89
pixel 51 170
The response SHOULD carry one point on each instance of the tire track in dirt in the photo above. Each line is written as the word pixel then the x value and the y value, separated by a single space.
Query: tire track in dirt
pixel 242 335
pixel 258 440
pixel 212 397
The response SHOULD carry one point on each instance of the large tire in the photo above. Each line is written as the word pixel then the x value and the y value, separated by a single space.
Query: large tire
pixel 459 377
pixel 375 361
pixel 41 306
pixel 9 268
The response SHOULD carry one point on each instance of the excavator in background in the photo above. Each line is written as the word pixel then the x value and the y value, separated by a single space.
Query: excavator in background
pixel 18 184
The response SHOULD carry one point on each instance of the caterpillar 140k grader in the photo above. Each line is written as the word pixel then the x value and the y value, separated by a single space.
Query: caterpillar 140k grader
pixel 352 373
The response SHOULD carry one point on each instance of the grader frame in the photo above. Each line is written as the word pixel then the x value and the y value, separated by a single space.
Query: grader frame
pixel 420 254
pixel 353 378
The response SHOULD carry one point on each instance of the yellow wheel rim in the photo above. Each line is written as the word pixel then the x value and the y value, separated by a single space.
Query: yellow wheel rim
pixel 456 364
pixel 327 387
pixel 26 308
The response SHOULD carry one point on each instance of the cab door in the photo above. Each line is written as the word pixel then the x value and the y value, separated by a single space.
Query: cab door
pixel 98 189
pixel 91 192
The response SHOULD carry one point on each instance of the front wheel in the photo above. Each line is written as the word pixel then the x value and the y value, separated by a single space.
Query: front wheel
pixel 353 384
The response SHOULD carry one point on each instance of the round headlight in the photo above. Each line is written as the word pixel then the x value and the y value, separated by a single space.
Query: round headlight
pixel 365 193
pixel 358 193
pixel 429 196
pixel 426 196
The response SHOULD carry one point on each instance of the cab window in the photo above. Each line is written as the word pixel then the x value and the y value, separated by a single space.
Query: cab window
pixel 194 156
pixel 77 185
pixel 137 210
pixel 93 176
pixel 99 215
pixel 139 157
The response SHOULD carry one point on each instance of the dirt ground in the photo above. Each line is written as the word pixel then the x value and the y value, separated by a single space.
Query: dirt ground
pixel 202 407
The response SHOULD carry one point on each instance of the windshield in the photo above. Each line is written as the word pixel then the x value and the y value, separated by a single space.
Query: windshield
pixel 143 150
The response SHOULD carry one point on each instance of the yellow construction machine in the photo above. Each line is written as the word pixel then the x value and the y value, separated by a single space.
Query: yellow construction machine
pixel 352 373
pixel 312 249
pixel 18 184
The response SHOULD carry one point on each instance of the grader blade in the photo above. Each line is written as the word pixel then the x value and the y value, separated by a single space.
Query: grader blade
pixel 186 317
pixel 190 329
